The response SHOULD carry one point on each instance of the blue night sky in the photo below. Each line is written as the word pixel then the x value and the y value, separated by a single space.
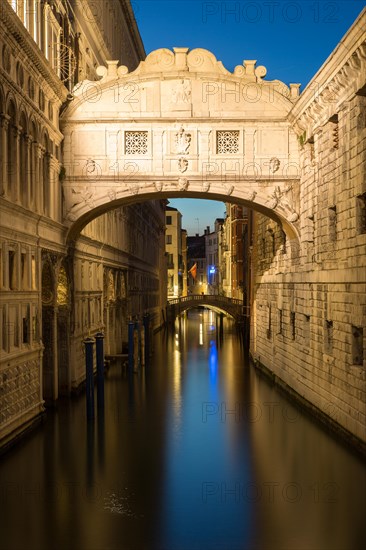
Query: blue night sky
pixel 291 39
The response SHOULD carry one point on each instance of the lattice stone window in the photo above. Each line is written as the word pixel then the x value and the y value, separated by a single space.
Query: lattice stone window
pixel 136 143
pixel 227 141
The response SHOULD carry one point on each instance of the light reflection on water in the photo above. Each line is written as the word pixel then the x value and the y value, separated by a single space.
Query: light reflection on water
pixel 195 451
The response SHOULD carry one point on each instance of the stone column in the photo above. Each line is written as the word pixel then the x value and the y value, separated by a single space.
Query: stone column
pixel 4 124
pixel 33 175
pixel 5 250
pixel 47 183
pixel 28 170
pixel 249 151
pixel 29 268
pixel 54 206
pixel 16 178
pixel 39 177
pixel 158 146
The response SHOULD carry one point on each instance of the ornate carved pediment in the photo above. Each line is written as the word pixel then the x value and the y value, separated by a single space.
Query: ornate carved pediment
pixel 198 60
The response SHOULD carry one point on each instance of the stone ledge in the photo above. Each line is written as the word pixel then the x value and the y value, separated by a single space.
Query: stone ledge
pixel 15 436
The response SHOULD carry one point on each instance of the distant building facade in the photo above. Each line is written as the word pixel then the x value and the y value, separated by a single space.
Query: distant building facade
pixel 212 257
pixel 176 266
pixel 196 256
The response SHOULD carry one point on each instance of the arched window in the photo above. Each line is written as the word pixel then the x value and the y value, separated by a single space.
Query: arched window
pixel 23 158
pixel 11 152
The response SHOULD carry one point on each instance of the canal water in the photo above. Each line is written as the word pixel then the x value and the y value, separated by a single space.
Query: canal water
pixel 194 452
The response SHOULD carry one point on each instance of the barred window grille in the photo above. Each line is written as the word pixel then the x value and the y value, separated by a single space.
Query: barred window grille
pixel 136 143
pixel 227 141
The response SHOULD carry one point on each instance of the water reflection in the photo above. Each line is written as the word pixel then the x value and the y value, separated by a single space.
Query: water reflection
pixel 193 452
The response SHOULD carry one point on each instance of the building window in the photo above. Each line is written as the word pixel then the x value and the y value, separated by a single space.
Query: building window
pixel 263 240
pixel 24 270
pixel 227 142
pixel 280 321
pixel 361 213
pixel 52 39
pixel 169 220
pixel 332 223
pixel 306 330
pixel 328 337
pixel 25 329
pixel 12 270
pixel 135 143
pixel 357 345
pixel 293 325
pixel 283 241
pixel 269 323
pixel 169 239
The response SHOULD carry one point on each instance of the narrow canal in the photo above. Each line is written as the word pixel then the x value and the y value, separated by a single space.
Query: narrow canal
pixel 195 452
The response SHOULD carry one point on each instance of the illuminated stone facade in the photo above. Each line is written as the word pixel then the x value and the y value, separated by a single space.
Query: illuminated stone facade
pixel 176 263
pixel 54 292
pixel 308 313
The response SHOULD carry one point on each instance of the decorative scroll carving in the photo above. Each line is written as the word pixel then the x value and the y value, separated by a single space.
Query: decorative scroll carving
pixel 228 188
pixel 284 198
pixel 62 287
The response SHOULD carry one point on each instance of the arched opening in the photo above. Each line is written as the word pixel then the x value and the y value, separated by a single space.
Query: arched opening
pixel 89 213
pixel 109 290
pixel 12 149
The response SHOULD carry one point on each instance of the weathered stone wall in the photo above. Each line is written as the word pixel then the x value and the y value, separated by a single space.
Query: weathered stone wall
pixel 310 305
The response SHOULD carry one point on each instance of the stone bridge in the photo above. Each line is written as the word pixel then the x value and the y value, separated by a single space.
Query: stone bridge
pixel 181 125
pixel 231 306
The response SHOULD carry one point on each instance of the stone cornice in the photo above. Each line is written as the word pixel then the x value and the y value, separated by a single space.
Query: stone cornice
pixel 133 28
pixel 340 76
pixel 27 45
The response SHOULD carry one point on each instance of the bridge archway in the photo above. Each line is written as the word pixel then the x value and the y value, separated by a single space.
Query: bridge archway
pixel 232 307
pixel 181 125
